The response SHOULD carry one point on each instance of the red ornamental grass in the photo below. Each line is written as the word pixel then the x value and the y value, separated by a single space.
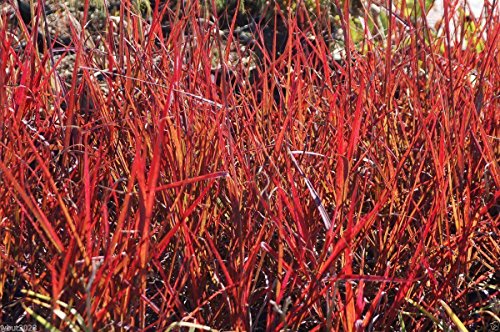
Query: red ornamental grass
pixel 348 185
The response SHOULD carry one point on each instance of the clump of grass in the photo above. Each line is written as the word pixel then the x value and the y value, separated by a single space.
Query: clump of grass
pixel 309 192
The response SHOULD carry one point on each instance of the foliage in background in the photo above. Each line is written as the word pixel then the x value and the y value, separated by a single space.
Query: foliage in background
pixel 342 183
